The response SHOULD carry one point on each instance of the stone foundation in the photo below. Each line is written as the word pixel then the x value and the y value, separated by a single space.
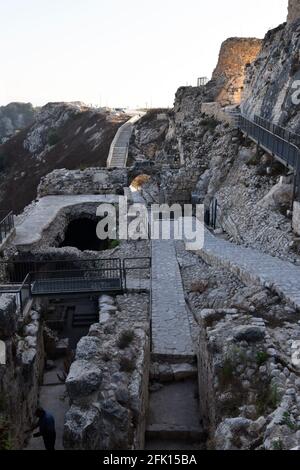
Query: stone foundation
pixel 296 217
pixel 108 382
pixel 248 387
pixel 21 376
pixel 89 181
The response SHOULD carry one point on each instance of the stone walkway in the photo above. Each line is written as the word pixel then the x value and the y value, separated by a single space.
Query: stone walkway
pixel 171 333
pixel 53 397
pixel 254 266
pixel 174 417
pixel 118 153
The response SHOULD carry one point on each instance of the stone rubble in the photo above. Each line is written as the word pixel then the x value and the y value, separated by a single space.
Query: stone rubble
pixel 108 382
pixel 249 374
pixel 22 374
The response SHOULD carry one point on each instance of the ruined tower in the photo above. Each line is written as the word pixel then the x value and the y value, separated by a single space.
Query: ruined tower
pixel 229 74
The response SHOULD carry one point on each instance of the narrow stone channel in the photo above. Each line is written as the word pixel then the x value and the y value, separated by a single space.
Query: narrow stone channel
pixel 174 418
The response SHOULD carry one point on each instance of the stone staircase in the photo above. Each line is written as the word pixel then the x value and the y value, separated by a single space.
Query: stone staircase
pixel 80 320
pixel 118 153
pixel 173 420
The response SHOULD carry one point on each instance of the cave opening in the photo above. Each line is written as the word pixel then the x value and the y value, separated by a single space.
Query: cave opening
pixel 81 234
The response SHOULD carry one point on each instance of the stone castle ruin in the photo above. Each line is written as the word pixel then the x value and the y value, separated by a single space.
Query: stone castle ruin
pixel 144 344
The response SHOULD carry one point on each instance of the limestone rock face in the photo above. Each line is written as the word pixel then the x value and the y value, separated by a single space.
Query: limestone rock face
pixel 62 135
pixel 293 10
pixel 15 117
pixel 280 197
pixel 233 434
pixel 8 315
pixel 272 81
pixel 235 55
pixel 251 334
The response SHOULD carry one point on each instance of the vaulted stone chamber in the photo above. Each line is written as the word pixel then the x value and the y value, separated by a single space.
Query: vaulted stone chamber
pixel 81 234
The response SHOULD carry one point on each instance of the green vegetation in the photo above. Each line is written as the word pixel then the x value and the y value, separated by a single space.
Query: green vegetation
pixel 125 339
pixel 5 435
pixel 261 358
pixel 267 399
pixel 113 244
pixel 210 123
pixel 226 374
pixel 53 137
pixel 127 364
pixel 278 445
pixel 287 421
pixel 254 160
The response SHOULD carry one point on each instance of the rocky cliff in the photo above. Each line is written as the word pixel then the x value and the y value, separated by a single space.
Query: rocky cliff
pixel 293 10
pixel 253 193
pixel 63 135
pixel 15 117
pixel 272 81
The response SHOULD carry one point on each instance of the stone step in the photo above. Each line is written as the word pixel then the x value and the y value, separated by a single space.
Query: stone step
pixel 81 320
pixel 164 373
pixel 173 358
pixel 170 444
pixel 182 433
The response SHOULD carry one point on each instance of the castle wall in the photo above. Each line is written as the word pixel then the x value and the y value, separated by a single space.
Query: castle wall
pixel 235 55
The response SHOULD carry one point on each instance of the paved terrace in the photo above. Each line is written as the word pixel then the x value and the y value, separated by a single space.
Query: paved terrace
pixel 254 266
pixel 30 230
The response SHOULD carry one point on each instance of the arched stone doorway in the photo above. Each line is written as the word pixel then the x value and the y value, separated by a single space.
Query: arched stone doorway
pixel 81 234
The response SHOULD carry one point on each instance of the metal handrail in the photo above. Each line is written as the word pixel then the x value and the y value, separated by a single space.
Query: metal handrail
pixel 20 268
pixel 6 225
pixel 280 131
pixel 126 268
pixel 281 148
pixel 115 272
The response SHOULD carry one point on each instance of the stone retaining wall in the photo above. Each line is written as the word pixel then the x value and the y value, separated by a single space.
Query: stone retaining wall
pixel 108 382
pixel 89 181
pixel 216 111
pixel 21 376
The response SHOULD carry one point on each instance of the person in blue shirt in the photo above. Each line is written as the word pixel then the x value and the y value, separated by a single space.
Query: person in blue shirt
pixel 46 425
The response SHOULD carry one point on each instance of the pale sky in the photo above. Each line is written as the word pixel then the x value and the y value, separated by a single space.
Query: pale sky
pixel 119 52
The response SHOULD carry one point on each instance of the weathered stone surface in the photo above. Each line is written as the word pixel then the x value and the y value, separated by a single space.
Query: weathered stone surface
pixel 108 383
pixel 250 334
pixel 269 82
pixel 21 377
pixel 15 117
pixel 280 197
pixel 84 379
pixel 233 434
pixel 235 54
pixel 89 181
pixel 296 217
pixel 8 315
pixel 87 348
pixel 293 10
pixel 82 428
